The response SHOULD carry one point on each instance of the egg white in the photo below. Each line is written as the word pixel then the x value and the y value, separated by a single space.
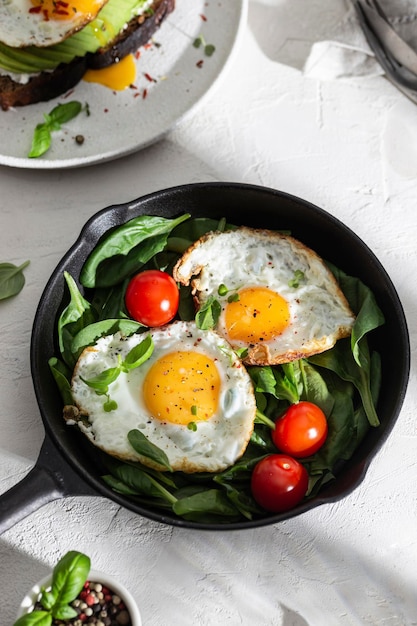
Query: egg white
pixel 20 26
pixel 214 445
pixel 241 258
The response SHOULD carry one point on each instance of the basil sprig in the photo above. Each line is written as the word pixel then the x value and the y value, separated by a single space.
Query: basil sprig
pixel 42 136
pixel 12 279
pixel 68 578
pixel 134 358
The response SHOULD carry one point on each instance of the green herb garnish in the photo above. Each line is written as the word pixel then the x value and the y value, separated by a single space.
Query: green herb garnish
pixel 42 137
pixel 12 279
pixel 68 578
pixel 209 49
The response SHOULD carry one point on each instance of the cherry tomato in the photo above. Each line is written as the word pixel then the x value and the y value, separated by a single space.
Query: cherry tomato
pixel 301 431
pixel 279 482
pixel 152 298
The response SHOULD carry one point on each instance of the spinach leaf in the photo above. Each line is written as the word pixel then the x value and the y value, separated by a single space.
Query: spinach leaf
pixel 77 315
pixel 147 449
pixel 88 336
pixel 12 279
pixel 340 360
pixel 141 481
pixel 122 240
pixel 315 388
pixel 209 313
pixel 369 315
pixel 62 376
pixel 279 382
pixel 211 501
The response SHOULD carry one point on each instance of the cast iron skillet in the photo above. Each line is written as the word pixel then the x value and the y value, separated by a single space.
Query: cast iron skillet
pixel 67 465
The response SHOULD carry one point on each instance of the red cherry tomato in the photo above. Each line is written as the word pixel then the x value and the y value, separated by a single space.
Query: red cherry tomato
pixel 152 298
pixel 279 483
pixel 301 431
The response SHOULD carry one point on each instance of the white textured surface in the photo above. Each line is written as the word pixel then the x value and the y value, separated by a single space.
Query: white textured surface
pixel 348 145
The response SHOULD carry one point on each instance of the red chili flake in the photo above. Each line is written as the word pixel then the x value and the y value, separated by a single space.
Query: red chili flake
pixel 37 9
pixel 61 12
pixel 69 93
pixel 145 93
pixel 106 110
pixel 149 77
pixel 136 95
pixel 137 54
pixel 200 63
pixel 46 15
pixel 203 17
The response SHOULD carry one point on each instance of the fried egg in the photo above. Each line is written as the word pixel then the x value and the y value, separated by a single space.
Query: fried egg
pixel 278 299
pixel 44 22
pixel 193 398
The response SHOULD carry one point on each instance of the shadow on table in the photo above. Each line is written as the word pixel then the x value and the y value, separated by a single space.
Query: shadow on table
pixel 285 30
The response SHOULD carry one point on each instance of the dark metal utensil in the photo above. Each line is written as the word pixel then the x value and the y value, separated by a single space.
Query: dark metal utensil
pixel 384 42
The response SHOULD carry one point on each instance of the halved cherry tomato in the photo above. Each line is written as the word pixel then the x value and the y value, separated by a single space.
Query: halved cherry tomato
pixel 301 431
pixel 279 483
pixel 152 298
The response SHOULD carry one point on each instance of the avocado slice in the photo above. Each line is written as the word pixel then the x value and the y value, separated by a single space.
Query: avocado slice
pixel 97 34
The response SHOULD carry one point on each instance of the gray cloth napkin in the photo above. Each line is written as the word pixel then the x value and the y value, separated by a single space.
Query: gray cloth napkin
pixel 347 54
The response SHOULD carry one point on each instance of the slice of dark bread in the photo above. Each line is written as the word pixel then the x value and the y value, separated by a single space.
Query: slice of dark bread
pixel 48 85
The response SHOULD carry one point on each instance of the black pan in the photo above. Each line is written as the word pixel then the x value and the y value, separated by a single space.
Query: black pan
pixel 67 465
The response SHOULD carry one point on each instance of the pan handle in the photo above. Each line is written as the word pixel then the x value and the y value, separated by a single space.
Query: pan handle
pixel 43 484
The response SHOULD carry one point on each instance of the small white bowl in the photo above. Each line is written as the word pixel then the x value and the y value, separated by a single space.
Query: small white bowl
pixel 94 576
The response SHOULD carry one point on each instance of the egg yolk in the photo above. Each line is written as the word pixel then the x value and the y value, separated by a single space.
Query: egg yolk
pixel 258 314
pixel 117 76
pixel 64 10
pixel 182 387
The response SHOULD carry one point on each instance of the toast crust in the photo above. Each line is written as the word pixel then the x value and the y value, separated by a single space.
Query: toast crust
pixel 48 85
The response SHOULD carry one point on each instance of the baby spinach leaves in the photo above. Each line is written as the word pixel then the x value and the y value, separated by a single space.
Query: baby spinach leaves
pixel 68 578
pixel 147 449
pixel 209 313
pixel 150 232
pixel 12 279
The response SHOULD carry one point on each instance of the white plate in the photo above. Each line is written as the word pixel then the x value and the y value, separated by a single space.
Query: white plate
pixel 125 121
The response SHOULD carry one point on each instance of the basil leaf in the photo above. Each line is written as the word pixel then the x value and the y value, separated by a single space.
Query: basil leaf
pixel 147 449
pixel 41 141
pixel 12 279
pixel 36 618
pixel 101 382
pixel 64 612
pixel 65 112
pixel 121 240
pixel 139 354
pixel 69 576
pixel 42 136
